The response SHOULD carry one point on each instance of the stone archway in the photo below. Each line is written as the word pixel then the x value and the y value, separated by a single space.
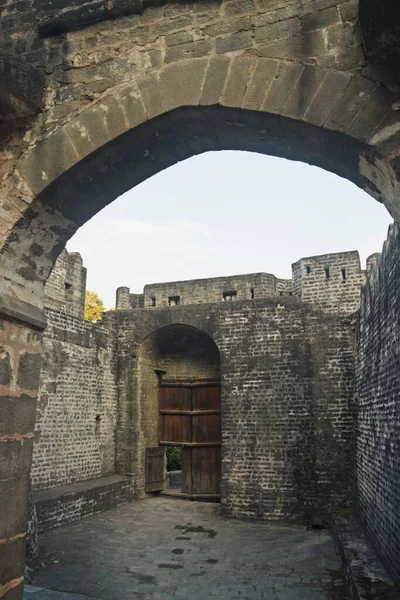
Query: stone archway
pixel 125 98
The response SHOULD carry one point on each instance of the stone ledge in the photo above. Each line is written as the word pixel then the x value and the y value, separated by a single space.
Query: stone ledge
pixel 61 505
pixel 366 576
pixel 22 311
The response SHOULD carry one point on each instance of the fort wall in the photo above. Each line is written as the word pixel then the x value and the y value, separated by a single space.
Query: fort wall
pixel 378 404
pixel 331 282
pixel 287 402
pixel 287 374
pixel 77 403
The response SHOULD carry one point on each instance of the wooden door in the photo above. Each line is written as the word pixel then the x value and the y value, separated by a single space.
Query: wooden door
pixel 190 416
pixel 155 469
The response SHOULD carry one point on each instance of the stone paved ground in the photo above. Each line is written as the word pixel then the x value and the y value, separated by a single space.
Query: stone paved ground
pixel 163 548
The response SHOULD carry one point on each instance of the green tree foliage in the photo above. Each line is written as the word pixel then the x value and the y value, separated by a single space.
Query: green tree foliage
pixel 94 306
pixel 174 458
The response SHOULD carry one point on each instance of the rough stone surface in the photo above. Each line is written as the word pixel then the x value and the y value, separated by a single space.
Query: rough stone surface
pixel 76 414
pixel 164 548
pixel 380 26
pixel 64 504
pixel 32 543
pixel 108 72
pixel 21 86
pixel 378 406
pixel 365 573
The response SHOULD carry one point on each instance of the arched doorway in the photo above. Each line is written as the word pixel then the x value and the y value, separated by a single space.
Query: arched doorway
pixel 179 398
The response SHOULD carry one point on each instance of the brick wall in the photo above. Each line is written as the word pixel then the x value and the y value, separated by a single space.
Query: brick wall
pixel 77 403
pixel 66 286
pixel 287 396
pixel 198 291
pixel 378 409
pixel 331 281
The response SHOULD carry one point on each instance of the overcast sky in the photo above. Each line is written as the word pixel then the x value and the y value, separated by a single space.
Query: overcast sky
pixel 225 213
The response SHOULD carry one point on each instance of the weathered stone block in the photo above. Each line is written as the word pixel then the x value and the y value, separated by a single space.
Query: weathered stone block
pixel 321 19
pixel 238 78
pixel 150 92
pixel 281 87
pixel 17 415
pixel 261 79
pixel 181 83
pixel 54 156
pixel 29 371
pixel 236 41
pixel 227 26
pixel 195 49
pixel 330 92
pixel 239 7
pixel 303 93
pixel 374 112
pixel 296 47
pixel 22 85
pixel 14 503
pixel 349 10
pixel 5 367
pixel 275 31
pixel 15 458
pixel 12 559
pixel 182 37
pixel 130 101
pixel 354 99
pixel 215 80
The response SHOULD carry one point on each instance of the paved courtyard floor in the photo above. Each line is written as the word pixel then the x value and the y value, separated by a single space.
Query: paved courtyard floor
pixel 162 548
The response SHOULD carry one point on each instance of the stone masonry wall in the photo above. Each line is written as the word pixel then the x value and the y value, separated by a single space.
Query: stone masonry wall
pixel 66 286
pixel 287 398
pixel 331 281
pixel 200 291
pixel 77 403
pixel 378 404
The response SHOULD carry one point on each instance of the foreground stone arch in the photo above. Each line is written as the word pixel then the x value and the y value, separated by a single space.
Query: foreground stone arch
pixel 131 95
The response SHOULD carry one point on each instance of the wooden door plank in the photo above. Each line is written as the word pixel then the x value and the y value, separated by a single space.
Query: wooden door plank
pixel 177 429
pixel 187 471
pixel 206 470
pixel 206 428
pixel 155 469
pixel 175 398
pixel 206 398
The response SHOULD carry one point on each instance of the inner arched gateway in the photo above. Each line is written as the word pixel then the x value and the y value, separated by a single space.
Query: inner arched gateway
pixel 179 396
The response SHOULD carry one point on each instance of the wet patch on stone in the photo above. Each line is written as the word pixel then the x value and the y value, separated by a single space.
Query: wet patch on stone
pixel 142 578
pixel 199 529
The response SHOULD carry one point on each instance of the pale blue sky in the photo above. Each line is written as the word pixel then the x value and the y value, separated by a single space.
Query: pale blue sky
pixel 225 213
